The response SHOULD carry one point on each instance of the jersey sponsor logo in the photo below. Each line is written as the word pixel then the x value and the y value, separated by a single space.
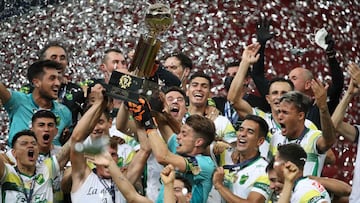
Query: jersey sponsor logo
pixel 263 187
pixel 318 186
pixel 315 199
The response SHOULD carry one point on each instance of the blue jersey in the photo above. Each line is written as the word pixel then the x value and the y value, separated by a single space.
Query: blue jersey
pixel 201 182
pixel 21 107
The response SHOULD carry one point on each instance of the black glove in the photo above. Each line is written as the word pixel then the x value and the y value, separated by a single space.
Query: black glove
pixel 329 40
pixel 262 31
pixel 142 113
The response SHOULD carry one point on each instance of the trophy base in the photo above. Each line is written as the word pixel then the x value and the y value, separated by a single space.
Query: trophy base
pixel 130 88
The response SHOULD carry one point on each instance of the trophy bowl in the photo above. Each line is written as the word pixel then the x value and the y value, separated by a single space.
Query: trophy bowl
pixel 158 18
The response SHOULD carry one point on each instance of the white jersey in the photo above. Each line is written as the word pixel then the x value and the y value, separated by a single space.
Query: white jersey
pixel 58 195
pixel 274 128
pixel 355 194
pixel 224 129
pixel 241 181
pixel 55 150
pixel 95 190
pixel 153 183
pixel 307 190
pixel 314 161
pixel 130 140
pixel 17 187
pixel 125 154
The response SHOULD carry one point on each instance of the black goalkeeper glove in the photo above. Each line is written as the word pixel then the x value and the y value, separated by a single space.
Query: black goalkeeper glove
pixel 329 40
pixel 263 31
pixel 142 113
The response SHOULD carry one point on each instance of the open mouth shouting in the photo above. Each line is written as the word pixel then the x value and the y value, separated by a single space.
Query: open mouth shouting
pixel 31 155
pixel 46 138
pixel 174 110
pixel 55 90
pixel 283 128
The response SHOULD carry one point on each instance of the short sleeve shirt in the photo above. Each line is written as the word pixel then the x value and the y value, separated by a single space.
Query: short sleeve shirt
pixel 307 190
pixel 201 182
pixel 21 107
pixel 14 184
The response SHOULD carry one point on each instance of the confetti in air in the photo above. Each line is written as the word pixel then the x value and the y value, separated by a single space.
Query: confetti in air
pixel 212 33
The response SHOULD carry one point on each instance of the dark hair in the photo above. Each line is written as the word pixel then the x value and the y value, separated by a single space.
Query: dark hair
pixel 203 128
pixel 114 142
pixel 185 61
pixel 236 63
pixel 293 152
pixel 36 70
pixel 107 113
pixel 301 101
pixel 279 79
pixel 186 182
pixel 22 133
pixel 43 114
pixel 175 89
pixel 109 51
pixel 232 64
pixel 264 127
pixel 41 53
pixel 270 165
pixel 200 74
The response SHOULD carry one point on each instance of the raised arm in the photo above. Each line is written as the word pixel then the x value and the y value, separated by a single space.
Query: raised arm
pixel 335 89
pixel 328 137
pixel 163 154
pixel 168 177
pixel 124 121
pixel 63 155
pixel 342 127
pixel 291 173
pixel 142 113
pixel 249 57
pixel 258 72
pixel 137 164
pixel 4 94
pixel 124 185
pixel 83 128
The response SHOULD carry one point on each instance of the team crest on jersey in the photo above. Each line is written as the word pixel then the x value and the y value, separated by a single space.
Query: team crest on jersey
pixel 120 162
pixel 243 179
pixel 69 96
pixel 58 119
pixel 39 179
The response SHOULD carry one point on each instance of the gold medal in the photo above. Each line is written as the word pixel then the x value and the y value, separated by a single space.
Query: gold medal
pixel 195 170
